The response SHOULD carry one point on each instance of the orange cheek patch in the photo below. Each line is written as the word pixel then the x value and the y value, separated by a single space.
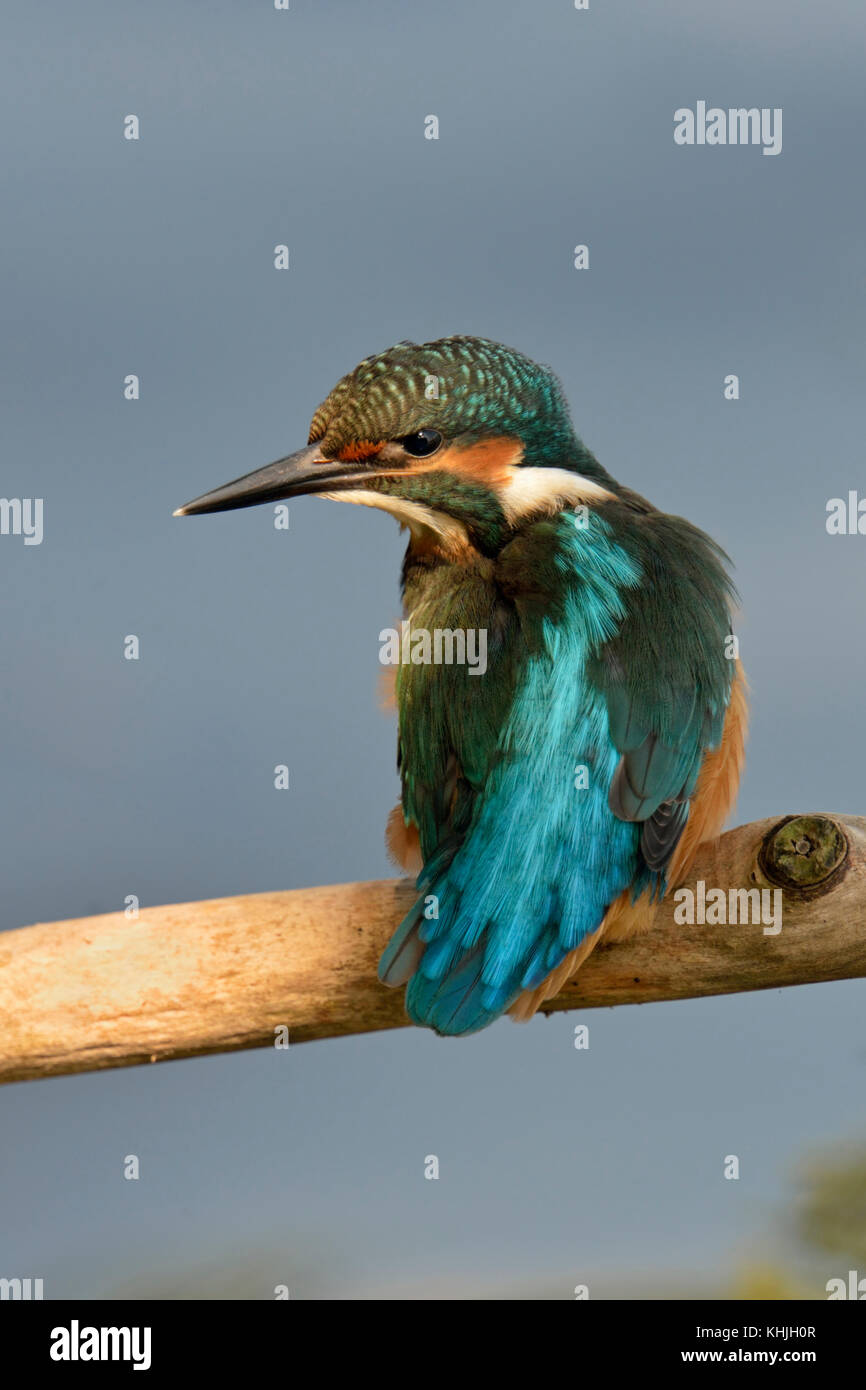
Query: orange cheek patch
pixel 489 462
pixel 361 449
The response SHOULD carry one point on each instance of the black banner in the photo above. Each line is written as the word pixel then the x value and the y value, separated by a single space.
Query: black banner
pixel 151 1338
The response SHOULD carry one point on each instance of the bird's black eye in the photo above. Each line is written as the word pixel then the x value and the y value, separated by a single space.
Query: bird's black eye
pixel 421 443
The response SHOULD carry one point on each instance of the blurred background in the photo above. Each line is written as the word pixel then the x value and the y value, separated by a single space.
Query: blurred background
pixel 155 777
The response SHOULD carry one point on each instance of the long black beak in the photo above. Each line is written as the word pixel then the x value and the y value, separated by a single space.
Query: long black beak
pixel 305 471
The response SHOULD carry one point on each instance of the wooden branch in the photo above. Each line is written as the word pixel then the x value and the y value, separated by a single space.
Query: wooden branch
pixel 221 975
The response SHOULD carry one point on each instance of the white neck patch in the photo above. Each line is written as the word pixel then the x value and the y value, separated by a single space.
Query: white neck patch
pixel 547 490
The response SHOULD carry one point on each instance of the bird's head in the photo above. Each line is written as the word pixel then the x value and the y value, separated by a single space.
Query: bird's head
pixel 461 439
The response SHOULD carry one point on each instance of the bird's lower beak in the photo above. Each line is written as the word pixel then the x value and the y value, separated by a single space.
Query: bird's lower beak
pixel 305 471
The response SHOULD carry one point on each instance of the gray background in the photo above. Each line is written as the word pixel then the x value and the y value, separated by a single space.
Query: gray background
pixel 257 647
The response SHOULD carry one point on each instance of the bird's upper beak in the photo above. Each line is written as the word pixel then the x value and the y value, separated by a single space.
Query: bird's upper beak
pixel 302 472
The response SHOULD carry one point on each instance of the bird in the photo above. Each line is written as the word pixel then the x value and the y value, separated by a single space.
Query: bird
pixel 549 802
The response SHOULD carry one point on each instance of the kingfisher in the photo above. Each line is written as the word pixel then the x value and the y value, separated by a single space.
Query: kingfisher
pixel 548 802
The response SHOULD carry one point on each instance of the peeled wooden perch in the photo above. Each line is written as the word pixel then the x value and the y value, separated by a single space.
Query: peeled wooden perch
pixel 221 975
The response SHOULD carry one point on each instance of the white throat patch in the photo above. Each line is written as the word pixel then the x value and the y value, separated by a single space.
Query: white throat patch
pixel 418 518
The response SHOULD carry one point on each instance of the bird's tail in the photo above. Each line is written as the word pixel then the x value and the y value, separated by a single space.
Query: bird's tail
pixel 452 1004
